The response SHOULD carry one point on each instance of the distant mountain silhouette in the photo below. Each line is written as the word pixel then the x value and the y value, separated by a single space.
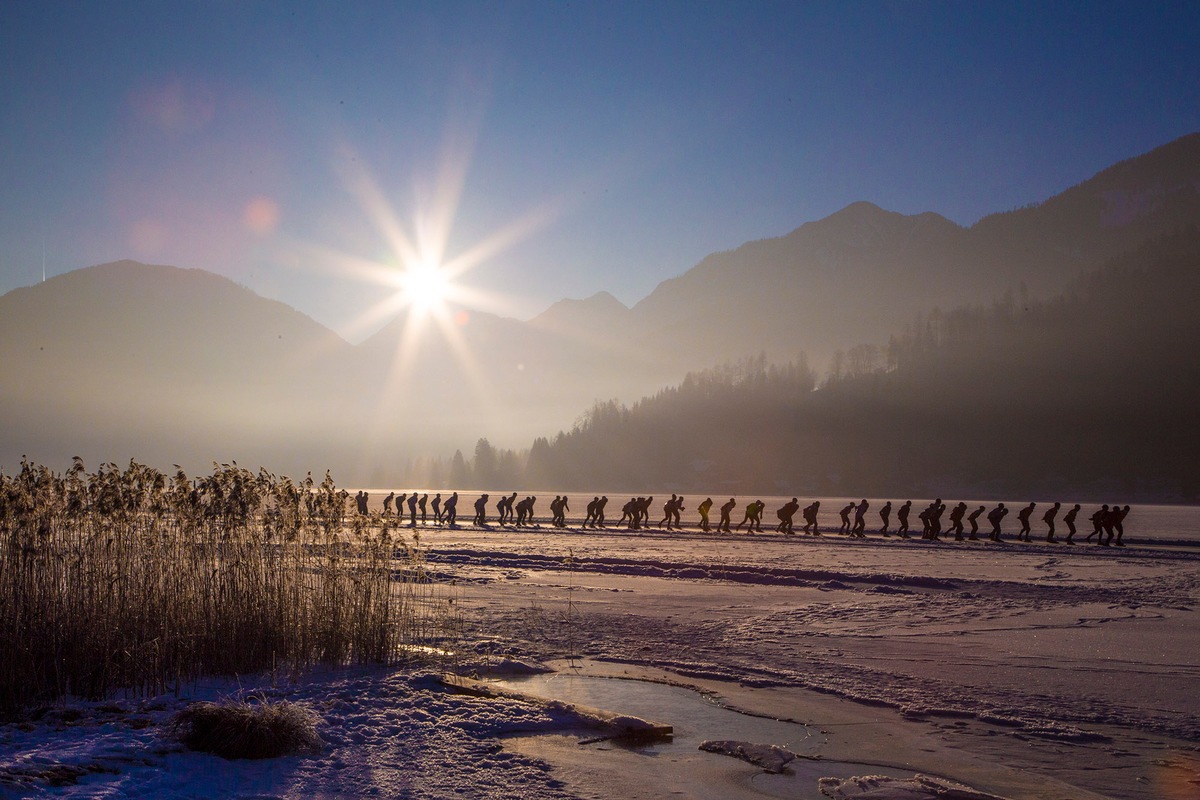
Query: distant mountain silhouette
pixel 859 273
pixel 1103 217
pixel 852 276
pixel 161 361
pixel 165 364
pixel 594 314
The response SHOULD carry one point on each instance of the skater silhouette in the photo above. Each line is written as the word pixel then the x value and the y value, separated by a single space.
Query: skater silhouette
pixel 845 515
pixel 1069 521
pixel 1119 523
pixel 996 516
pixel 860 524
pixel 627 512
pixel 926 525
pixel 956 520
pixel 525 511
pixel 726 510
pixel 902 519
pixel 643 511
pixel 668 512
pixel 1097 520
pixel 755 510
pixel 1108 521
pixel 481 511
pixel 935 518
pixel 974 520
pixel 752 515
pixel 810 518
pixel 785 515
pixel 1023 518
pixel 1048 518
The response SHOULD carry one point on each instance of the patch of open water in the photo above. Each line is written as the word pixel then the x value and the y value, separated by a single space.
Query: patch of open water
pixel 677 766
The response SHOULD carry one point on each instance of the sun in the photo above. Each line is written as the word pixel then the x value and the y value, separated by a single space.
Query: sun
pixel 426 285
pixel 427 305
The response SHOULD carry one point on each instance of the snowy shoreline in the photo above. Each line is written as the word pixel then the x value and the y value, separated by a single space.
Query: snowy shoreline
pixel 1035 672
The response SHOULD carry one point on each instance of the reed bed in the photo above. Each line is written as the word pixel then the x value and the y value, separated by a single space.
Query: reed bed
pixel 130 579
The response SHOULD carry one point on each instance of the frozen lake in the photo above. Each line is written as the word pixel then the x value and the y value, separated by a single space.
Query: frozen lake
pixel 1036 671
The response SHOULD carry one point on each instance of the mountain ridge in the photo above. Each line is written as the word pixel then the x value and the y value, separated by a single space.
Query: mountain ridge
pixel 203 345
pixel 887 266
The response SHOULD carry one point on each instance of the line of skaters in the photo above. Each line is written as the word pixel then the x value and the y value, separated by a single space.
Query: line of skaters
pixel 1107 522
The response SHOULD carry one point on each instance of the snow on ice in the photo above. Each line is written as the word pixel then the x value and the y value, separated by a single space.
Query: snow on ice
pixel 1023 671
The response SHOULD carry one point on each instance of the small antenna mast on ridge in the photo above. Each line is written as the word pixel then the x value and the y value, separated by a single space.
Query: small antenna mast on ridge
pixel 43 258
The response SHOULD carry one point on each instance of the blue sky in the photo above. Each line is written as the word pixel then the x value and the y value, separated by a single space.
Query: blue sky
pixel 594 146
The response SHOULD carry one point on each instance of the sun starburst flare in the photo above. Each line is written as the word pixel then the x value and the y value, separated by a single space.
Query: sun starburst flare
pixel 426 297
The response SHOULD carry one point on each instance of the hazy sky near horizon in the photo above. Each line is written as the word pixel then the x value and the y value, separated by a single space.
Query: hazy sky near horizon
pixel 574 147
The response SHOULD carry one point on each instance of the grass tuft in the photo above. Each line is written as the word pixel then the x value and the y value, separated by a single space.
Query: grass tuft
pixel 240 729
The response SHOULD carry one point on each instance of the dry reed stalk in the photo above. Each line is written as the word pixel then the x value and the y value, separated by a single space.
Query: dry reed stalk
pixel 130 579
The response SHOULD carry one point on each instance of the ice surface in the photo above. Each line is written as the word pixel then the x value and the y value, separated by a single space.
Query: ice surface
pixel 771 758
pixel 1040 671
pixel 919 787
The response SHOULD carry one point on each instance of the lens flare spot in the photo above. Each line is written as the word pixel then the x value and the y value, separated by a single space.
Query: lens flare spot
pixel 175 106
pixel 462 318
pixel 261 215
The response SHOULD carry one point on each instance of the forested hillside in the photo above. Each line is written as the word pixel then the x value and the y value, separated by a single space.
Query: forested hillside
pixel 1085 394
